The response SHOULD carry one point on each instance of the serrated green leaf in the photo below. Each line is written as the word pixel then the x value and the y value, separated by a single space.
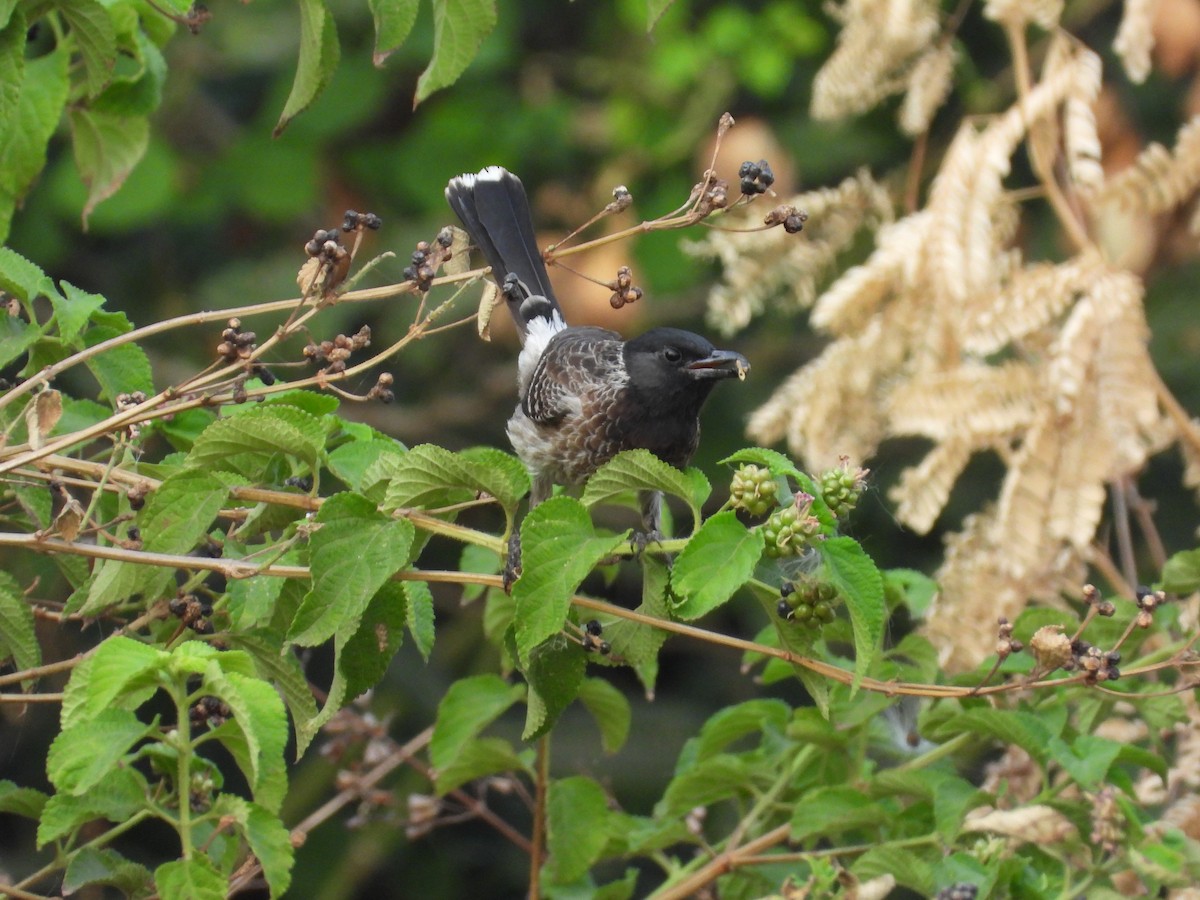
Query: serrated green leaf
pixel 120 370
pixel 266 836
pixel 23 279
pixel 141 93
pixel 190 879
pixel 718 560
pixel 470 705
pixel 89 865
pixel 952 797
pixel 107 147
pixel 18 638
pixel 82 755
pixel 351 462
pixel 246 442
pixel 1086 759
pixel 21 801
pixel 280 667
pixel 12 67
pixel 354 552
pixel 73 310
pixel 118 795
pixel 459 27
pixel 719 777
pixel 394 20
pixel 120 670
pixel 835 810
pixel 95 39
pixel 252 600
pixel 429 476
pixel 366 654
pixel 1028 731
pixel 176 516
pixel 903 863
pixel 24 136
pixel 854 574
pixel 641 470
pixel 418 611
pixel 636 644
pixel 577 826
pixel 1132 754
pixel 554 672
pixel 319 52
pixel 559 547
pixel 259 716
pixel 1181 574
pixel 479 758
pixel 610 708
pixel 732 723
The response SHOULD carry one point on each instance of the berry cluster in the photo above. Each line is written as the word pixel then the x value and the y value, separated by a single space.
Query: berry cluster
pixel 1096 664
pixel 382 391
pixel 236 344
pixel 754 489
pixel 591 639
pixel 1005 642
pixel 624 290
pixel 812 603
pixel 756 177
pixel 1147 602
pixel 356 221
pixel 789 217
pixel 793 529
pixel 210 712
pixel 193 611
pixel 425 259
pixel 842 486
pixel 332 355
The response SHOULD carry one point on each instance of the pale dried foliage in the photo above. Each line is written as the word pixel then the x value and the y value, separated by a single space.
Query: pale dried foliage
pixel 879 43
pixel 945 332
pixel 1135 38
pixel 929 84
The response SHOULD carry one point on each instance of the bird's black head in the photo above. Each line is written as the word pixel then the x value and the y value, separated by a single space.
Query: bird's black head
pixel 671 371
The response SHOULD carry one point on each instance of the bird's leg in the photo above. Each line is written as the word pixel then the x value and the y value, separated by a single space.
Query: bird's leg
pixel 651 502
pixel 542 488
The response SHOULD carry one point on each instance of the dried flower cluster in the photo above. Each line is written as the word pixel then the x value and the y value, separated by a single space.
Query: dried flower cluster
pixel 946 332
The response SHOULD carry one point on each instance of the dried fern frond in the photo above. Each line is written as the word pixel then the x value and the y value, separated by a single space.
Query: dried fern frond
pixel 1160 180
pixel 877 44
pixel 923 489
pixel 763 265
pixel 1045 13
pixel 974 403
pixel 929 83
pixel 1135 38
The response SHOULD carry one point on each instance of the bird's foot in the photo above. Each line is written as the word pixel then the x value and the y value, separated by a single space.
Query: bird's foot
pixel 512 562
pixel 642 540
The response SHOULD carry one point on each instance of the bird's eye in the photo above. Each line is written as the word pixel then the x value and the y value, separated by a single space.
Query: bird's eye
pixel 672 355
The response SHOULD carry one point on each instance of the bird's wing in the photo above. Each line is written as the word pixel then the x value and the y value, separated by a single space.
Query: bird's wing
pixel 577 364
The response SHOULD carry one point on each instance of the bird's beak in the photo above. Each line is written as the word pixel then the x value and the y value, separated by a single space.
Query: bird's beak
pixel 720 364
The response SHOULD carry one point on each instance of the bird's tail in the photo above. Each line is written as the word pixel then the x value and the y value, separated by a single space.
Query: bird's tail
pixel 495 212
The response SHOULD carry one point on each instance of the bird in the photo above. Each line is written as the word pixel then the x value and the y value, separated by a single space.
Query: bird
pixel 584 393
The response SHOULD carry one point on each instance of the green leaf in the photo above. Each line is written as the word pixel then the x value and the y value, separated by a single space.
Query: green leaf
pixel 735 722
pixel 835 810
pixel 718 560
pixel 18 639
pixel 190 879
pixel 351 462
pixel 252 600
pixel 267 837
pixel 83 754
pixel 393 21
pixel 107 147
pixel 23 279
pixel 853 573
pixel 21 801
pixel 654 12
pixel 641 470
pixel 281 668
pixel 1132 754
pixel 559 547
pixel 555 671
pixel 259 716
pixel 25 134
pixel 141 93
pixel 247 442
pixel 364 657
pixel 89 865
pixel 92 31
pixel 717 778
pixel 1027 730
pixel 12 66
pixel 902 863
pixel 635 643
pixel 952 797
pixel 459 27
pixel 120 794
pixel 430 476
pixel 1181 574
pixel 175 518
pixel 120 670
pixel 418 611
pixel 319 51
pixel 577 826
pixel 610 708
pixel 121 369
pixel 470 705
pixel 479 758
pixel 354 552
pixel 73 310
pixel 1087 759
